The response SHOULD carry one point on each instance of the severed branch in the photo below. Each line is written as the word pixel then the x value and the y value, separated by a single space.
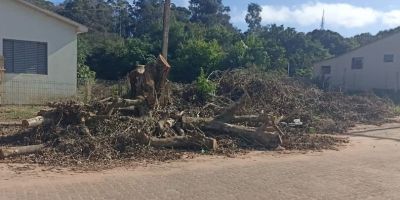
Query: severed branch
pixel 35 122
pixel 262 138
pixel 268 135
pixel 229 113
pixel 16 151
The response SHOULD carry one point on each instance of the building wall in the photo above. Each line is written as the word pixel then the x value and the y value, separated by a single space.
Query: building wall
pixel 22 23
pixel 375 74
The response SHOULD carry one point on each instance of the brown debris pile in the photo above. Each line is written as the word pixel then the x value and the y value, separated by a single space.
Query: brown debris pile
pixel 249 111
pixel 320 112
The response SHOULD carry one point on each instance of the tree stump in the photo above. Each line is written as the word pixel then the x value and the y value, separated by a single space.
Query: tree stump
pixel 151 82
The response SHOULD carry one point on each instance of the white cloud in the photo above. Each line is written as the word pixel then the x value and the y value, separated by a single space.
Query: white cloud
pixel 392 18
pixel 278 14
pixel 342 15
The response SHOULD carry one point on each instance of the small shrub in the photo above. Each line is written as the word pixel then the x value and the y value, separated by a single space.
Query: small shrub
pixel 205 88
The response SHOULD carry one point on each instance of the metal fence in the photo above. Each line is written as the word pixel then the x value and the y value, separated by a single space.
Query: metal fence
pixel 34 92
pixel 100 89
pixel 40 92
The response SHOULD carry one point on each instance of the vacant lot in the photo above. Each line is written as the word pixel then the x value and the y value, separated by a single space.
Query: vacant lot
pixel 18 113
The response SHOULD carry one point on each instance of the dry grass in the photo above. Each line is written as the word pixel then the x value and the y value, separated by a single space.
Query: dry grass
pixel 17 113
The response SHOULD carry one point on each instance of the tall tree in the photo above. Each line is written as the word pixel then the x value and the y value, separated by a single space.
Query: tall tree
pixel 334 42
pixel 209 12
pixel 98 15
pixel 123 17
pixel 253 17
pixel 43 4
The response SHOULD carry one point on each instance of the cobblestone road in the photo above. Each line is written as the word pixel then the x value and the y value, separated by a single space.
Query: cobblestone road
pixel 369 168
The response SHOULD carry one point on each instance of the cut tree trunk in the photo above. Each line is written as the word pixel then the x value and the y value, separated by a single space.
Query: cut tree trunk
pixel 266 137
pixel 127 106
pixel 260 138
pixel 35 122
pixel 184 142
pixel 151 82
pixel 16 151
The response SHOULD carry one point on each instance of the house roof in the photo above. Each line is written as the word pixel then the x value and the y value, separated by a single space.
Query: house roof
pixel 360 47
pixel 79 27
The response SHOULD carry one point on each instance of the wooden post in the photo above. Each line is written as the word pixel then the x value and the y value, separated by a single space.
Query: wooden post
pixel 167 13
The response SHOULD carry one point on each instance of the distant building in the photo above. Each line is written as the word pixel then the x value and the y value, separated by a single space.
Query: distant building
pixel 373 66
pixel 39 49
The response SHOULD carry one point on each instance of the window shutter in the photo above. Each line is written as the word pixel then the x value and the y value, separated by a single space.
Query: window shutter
pixel 19 57
pixel 30 58
pixel 25 56
pixel 8 50
pixel 41 56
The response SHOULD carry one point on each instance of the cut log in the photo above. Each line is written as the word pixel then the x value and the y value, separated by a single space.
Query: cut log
pixel 198 121
pixel 246 118
pixel 261 138
pixel 134 102
pixel 184 142
pixel 35 122
pixel 16 151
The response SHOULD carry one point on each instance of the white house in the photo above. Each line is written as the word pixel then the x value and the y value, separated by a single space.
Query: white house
pixel 39 49
pixel 373 66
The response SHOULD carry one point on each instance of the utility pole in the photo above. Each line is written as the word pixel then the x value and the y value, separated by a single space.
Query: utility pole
pixel 167 13
pixel 323 20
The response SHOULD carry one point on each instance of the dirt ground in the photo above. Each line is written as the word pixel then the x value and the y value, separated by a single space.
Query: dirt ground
pixel 367 168
pixel 18 113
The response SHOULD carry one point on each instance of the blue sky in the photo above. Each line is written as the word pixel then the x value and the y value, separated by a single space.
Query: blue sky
pixel 346 17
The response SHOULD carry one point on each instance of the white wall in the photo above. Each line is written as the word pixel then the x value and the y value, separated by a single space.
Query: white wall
pixel 22 23
pixel 375 74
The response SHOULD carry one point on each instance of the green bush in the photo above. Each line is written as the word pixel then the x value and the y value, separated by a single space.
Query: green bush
pixel 194 54
pixel 205 88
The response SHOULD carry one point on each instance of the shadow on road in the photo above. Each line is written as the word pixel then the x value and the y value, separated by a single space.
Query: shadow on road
pixel 375 137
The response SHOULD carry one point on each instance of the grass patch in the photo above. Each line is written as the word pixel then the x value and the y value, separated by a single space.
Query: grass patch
pixel 396 110
pixel 16 113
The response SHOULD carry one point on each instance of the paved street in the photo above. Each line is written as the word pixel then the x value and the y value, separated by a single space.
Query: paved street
pixel 369 168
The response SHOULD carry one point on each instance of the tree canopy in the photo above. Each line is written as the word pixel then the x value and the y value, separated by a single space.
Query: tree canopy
pixel 125 33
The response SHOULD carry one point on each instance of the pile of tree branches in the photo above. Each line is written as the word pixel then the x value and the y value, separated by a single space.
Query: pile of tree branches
pixel 249 110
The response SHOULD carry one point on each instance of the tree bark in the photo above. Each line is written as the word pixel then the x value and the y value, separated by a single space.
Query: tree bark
pixel 15 151
pixel 151 82
pixel 267 136
pixel 35 122
pixel 261 138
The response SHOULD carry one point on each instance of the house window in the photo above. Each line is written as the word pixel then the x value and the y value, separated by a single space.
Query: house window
pixel 388 58
pixel 25 57
pixel 357 63
pixel 325 70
